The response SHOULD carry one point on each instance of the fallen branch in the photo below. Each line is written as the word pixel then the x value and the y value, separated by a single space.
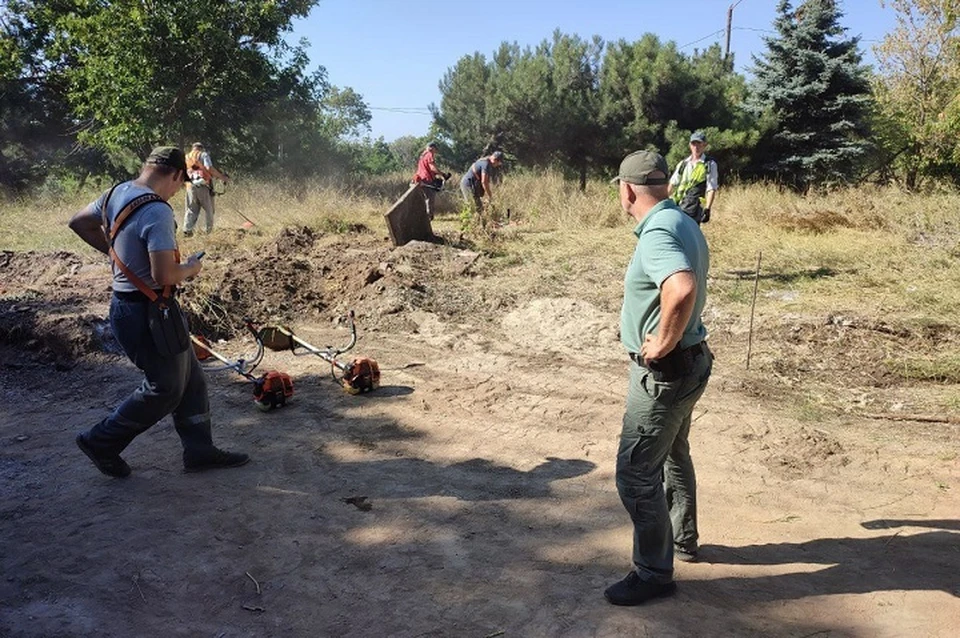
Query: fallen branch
pixel 254 582
pixel 921 418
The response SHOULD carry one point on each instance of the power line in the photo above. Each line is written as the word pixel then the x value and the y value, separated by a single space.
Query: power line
pixel 710 35
pixel 407 110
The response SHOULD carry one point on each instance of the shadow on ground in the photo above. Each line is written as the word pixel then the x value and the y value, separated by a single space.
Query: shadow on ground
pixel 927 561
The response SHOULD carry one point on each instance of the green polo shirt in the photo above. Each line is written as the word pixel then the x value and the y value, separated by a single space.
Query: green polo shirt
pixel 668 241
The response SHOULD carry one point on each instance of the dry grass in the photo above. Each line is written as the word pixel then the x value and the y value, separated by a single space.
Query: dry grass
pixel 878 252
pixel 867 251
pixel 881 260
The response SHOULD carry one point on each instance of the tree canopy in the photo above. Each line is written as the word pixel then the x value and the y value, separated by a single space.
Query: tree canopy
pixel 918 89
pixel 581 104
pixel 120 77
pixel 813 95
pixel 87 87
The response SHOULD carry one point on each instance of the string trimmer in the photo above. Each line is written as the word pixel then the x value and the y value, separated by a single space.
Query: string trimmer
pixel 270 390
pixel 360 375
pixel 214 192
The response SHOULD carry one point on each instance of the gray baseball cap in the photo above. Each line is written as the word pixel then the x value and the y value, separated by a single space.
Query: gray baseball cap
pixel 640 168
pixel 698 136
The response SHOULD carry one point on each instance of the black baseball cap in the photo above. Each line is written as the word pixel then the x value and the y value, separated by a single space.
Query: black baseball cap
pixel 168 156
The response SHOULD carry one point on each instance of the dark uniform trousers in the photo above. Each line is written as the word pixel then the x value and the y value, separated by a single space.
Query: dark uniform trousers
pixel 172 385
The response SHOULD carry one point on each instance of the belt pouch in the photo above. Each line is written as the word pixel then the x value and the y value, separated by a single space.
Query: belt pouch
pixel 167 326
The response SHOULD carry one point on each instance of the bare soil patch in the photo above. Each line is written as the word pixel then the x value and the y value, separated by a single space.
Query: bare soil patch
pixel 472 495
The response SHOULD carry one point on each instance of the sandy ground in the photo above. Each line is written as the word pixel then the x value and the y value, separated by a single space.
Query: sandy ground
pixel 486 460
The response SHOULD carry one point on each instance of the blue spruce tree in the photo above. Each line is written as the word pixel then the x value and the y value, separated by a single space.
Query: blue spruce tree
pixel 812 94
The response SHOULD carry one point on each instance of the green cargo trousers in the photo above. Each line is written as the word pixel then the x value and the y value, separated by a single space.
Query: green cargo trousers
pixel 655 475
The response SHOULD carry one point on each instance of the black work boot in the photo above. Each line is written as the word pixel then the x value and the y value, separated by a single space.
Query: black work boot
pixel 686 555
pixel 109 464
pixel 215 459
pixel 633 590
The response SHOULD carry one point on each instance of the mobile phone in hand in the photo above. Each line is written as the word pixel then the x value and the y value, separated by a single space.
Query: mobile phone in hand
pixel 199 255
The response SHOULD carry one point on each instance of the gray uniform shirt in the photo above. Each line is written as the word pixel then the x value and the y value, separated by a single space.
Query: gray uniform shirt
pixel 474 175
pixel 150 229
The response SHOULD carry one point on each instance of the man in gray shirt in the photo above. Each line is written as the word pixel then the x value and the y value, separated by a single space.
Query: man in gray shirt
pixel 476 181
pixel 173 384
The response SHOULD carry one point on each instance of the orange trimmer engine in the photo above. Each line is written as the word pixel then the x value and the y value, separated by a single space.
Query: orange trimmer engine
pixel 362 375
pixel 270 390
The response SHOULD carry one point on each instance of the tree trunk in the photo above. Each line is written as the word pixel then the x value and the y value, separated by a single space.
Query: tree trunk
pixel 583 175
pixel 912 168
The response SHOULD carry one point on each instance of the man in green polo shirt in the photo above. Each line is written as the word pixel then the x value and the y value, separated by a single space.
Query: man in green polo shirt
pixel 665 288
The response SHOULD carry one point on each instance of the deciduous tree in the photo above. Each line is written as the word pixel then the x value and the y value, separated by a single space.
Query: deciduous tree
pixel 918 88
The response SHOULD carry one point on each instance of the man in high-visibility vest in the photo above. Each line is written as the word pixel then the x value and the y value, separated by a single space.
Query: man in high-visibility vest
pixel 694 182
pixel 200 173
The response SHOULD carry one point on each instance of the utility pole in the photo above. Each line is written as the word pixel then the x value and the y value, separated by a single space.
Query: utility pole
pixel 726 52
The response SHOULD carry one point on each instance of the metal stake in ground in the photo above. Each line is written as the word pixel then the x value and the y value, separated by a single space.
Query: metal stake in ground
pixel 753 307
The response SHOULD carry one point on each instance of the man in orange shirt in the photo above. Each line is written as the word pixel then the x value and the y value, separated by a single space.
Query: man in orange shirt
pixel 200 171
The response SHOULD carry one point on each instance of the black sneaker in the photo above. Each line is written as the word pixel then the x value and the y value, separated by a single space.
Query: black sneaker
pixel 633 590
pixel 215 460
pixel 111 465
pixel 686 555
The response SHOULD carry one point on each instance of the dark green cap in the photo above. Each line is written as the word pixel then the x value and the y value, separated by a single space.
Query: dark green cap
pixel 637 167
pixel 168 156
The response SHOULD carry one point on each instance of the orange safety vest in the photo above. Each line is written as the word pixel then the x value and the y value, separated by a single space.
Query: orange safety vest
pixel 196 170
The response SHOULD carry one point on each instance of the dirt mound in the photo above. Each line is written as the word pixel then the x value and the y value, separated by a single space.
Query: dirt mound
pixel 304 275
pixel 796 454
pixel 35 270
pixel 560 325
pixel 45 301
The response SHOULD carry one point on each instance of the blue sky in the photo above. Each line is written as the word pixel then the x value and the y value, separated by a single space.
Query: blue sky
pixel 395 52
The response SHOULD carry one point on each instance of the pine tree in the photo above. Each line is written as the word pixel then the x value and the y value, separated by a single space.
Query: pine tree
pixel 813 93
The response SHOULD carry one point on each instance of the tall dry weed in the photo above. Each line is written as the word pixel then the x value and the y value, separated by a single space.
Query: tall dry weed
pixel 878 251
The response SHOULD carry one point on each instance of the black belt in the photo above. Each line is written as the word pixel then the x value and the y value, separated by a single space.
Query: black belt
pixel 136 295
pixel 676 364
